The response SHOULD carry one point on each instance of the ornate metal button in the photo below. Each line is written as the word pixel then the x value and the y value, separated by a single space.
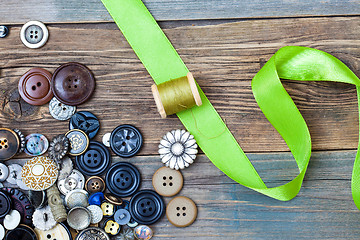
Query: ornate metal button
pixel 123 179
pixel 34 34
pixel 73 83
pixel 146 207
pixel 79 142
pixel 43 219
pixel 59 146
pixel 9 143
pixel 95 184
pixel 122 216
pixel 126 140
pixel 92 233
pixel 39 173
pixel 96 213
pixel 4 172
pixel 181 211
pixel 36 144
pixel 61 111
pixel 77 197
pixel 74 181
pixel 59 232
pixel 95 160
pixel 79 218
pixel 143 232
pixel 85 121
pixel 167 182
pixel 34 86
pixel 22 232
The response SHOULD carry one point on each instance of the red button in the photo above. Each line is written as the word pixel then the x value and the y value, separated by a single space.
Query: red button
pixel 34 86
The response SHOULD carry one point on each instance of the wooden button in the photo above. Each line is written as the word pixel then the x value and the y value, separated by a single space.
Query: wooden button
pixel 181 211
pixel 95 184
pixel 167 182
pixel 9 143
pixel 72 83
pixel 34 86
pixel 56 233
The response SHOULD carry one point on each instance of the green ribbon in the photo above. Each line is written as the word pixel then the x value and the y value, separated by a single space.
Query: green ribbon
pixel 214 138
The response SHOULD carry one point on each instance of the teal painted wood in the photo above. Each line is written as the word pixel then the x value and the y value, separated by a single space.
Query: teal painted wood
pixel 323 210
pixel 92 10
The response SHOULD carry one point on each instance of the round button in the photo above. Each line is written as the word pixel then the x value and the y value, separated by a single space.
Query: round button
pixel 22 232
pixel 4 31
pixel 74 181
pixel 95 184
pixel 77 198
pixel 60 231
pixel 21 139
pixel 36 144
pixel 122 216
pixel 59 146
pixel 143 232
pixel 12 220
pixel 4 172
pixel 146 207
pixel 9 143
pixel 132 223
pixel 34 34
pixel 14 173
pixel 34 86
pixel 106 139
pixel 123 179
pixel 181 211
pixel 167 182
pixel 2 232
pixel 96 198
pixel 39 173
pixel 113 199
pixel 96 213
pixel 61 111
pixel 126 140
pixel 43 219
pixel 79 142
pixel 79 218
pixel 92 233
pixel 72 83
pixel 85 121
pixel 95 160
pixel 6 204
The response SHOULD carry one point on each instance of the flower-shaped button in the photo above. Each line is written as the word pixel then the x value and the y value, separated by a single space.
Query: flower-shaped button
pixel 36 144
pixel 108 209
pixel 178 149
pixel 59 146
pixel 112 227
pixel 85 121
pixel 126 140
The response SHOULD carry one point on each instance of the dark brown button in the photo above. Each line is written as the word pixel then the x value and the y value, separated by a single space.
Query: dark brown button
pixel 72 83
pixel 9 143
pixel 95 184
pixel 34 86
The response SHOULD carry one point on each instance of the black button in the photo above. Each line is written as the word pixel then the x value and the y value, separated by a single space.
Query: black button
pixel 95 160
pixel 22 204
pixel 4 31
pixel 85 121
pixel 5 204
pixel 22 232
pixel 126 140
pixel 146 207
pixel 123 179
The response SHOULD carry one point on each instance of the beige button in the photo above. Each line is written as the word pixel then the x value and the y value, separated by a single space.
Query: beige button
pixel 167 182
pixel 181 211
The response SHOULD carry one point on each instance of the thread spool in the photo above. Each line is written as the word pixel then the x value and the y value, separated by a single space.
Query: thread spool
pixel 176 95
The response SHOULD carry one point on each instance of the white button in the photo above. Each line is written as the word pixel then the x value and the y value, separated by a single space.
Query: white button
pixel 106 139
pixel 34 34
pixel 74 181
pixel 2 232
pixel 14 172
pixel 4 172
pixel 12 220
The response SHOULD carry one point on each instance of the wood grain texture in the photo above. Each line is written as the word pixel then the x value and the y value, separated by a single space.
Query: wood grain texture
pixel 226 210
pixel 93 10
pixel 223 59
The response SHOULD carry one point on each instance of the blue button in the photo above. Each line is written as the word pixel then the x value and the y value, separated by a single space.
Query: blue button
pixel 96 198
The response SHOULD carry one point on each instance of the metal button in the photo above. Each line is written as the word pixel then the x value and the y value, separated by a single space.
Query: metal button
pixel 113 199
pixel 34 34
pixel 95 184
pixel 92 233
pixel 167 182
pixel 43 219
pixel 181 211
pixel 79 142
pixel 106 139
pixel 9 143
pixel 59 146
pixel 4 31
pixel 122 216
pixel 96 198
pixel 36 144
pixel 14 173
pixel 4 172
pixel 74 181
pixel 85 121
pixel 61 111
pixel 79 218
pixel 59 232
pixel 143 232
pixel 96 213
pixel 126 140
pixel 77 197
pixel 112 227
pixel 12 220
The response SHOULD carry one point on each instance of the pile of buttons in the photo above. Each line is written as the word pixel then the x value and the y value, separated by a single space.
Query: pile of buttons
pixel 70 187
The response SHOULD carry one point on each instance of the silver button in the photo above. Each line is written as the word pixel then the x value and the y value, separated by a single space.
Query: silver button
pixel 106 139
pixel 96 213
pixel 60 111
pixel 79 218
pixel 4 172
pixel 34 34
pixel 77 197
pixel 92 233
pixel 74 181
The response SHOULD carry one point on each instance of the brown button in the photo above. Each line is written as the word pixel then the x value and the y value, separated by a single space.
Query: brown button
pixel 34 86
pixel 113 199
pixel 72 83
pixel 167 182
pixel 9 143
pixel 181 211
pixel 95 184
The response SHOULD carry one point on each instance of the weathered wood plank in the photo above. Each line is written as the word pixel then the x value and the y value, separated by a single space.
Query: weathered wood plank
pixel 223 59
pixel 93 10
pixel 227 210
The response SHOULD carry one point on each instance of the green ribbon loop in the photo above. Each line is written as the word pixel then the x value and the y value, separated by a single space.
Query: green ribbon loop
pixel 214 138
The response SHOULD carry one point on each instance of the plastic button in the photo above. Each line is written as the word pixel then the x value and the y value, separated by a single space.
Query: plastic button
pixel 12 220
pixel 22 232
pixel 34 34
pixel 108 209
pixel 72 83
pixel 123 179
pixel 143 232
pixel 9 143
pixel 146 207
pixel 96 198
pixel 4 172
pixel 95 184
pixel 4 31
pixel 36 144
pixel 5 205
pixel 126 140
pixel 85 121
pixel 112 227
pixel 61 111
pixel 167 182
pixel 79 142
pixel 106 139
pixel 95 160
pixel 122 216
pixel 181 211
pixel 14 173
pixel 59 232
pixel 34 86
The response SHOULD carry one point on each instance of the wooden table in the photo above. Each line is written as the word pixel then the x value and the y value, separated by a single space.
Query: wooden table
pixel 224 43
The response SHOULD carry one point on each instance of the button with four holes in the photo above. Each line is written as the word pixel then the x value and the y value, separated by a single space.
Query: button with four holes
pixel 95 184
pixel 167 182
pixel 34 86
pixel 181 211
pixel 146 207
pixel 126 140
pixel 9 143
pixel 34 34
pixel 85 121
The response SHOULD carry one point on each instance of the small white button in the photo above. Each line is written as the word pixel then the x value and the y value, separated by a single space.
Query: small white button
pixel 106 139
pixel 34 34
pixel 12 220
pixel 4 172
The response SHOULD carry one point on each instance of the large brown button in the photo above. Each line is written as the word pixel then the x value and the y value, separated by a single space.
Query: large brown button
pixel 181 211
pixel 72 83
pixel 95 184
pixel 9 143
pixel 34 86
pixel 167 182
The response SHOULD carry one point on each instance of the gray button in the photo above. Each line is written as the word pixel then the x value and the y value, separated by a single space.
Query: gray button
pixel 77 198
pixel 61 111
pixel 14 172
pixel 34 34
pixel 4 172
pixel 79 218
pixel 122 216
pixel 92 233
